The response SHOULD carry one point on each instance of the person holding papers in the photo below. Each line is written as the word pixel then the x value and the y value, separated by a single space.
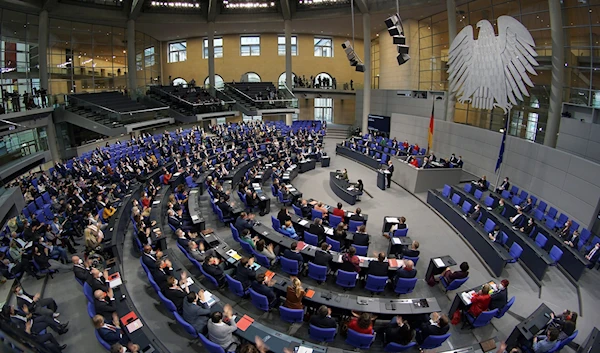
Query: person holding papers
pixel 196 312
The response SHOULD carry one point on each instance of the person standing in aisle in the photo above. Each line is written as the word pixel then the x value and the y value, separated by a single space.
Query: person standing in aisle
pixel 391 172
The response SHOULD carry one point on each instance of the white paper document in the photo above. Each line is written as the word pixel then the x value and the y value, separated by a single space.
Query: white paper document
pixel 392 220
pixel 438 262
pixel 303 222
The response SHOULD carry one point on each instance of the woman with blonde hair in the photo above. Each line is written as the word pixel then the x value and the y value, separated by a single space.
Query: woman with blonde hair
pixel 295 294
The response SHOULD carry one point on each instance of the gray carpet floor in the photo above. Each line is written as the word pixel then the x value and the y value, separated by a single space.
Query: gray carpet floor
pixel 434 234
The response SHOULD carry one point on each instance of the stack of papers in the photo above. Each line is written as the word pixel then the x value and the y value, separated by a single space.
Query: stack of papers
pixel 329 231
pixel 156 202
pixel 438 262
pixel 396 241
pixel 256 185
pixel 208 298
pixel 234 254
pixel 194 218
pixel 114 280
pixel 134 325
pixel 303 222
pixel 392 220
pixel 350 188
pixel 303 349
pixel 189 281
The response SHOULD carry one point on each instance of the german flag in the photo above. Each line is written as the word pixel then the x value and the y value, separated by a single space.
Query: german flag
pixel 430 137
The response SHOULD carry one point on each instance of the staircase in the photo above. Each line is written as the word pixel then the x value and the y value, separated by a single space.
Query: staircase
pixel 242 104
pixel 335 131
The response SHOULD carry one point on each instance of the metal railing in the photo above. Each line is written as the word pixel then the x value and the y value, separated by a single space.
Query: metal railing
pixel 290 102
pixel 114 115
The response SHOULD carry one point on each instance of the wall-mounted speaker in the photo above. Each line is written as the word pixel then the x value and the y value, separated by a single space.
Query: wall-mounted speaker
pixel 396 31
pixel 352 57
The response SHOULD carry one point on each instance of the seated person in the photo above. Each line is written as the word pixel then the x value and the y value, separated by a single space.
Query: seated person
pixel 339 211
pixel 244 273
pixel 495 235
pixel 105 305
pixel 195 312
pixel 500 297
pixel 339 234
pixel 221 327
pixel 504 186
pixel 482 183
pixel 480 301
pixel 216 268
pixel 528 228
pixel 317 229
pixel 476 213
pixel 528 206
pixel 500 208
pixel 283 215
pixel 398 331
pixel 573 240
pixel 378 267
pixel 406 271
pixel 565 231
pixel 322 256
pixel 267 250
pixel 244 221
pixel 110 333
pixel 295 294
pixel 289 230
pixel 450 275
pixel 264 287
pixel 246 237
pixel 361 323
pixel 516 219
pixel 412 251
pixel 565 322
pixel 357 216
pixel 437 326
pixel 108 211
pixel 294 254
pixel 163 270
pixel 177 292
pixel 361 237
pixel 543 344
pixel 323 318
pixel 319 207
pixel 306 210
pixel 350 262
pixel 593 255
pixel 198 252
pixel 35 303
pixel 225 207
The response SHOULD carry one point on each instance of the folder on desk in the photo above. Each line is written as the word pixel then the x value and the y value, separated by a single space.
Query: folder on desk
pixel 393 262
pixel 301 245
pixel 115 280
pixel 303 222
pixel 134 325
pixel 269 275
pixel 245 322
pixel 128 318
pixel 309 293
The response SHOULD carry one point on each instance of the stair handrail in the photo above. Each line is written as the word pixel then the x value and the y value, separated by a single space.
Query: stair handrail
pixel 116 112
pixel 183 100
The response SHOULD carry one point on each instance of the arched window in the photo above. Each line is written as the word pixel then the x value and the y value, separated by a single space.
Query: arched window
pixel 250 77
pixel 326 80
pixel 281 80
pixel 219 83
pixel 179 82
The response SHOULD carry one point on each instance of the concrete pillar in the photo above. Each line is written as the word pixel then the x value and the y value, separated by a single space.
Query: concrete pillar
pixel 451 97
pixel 289 81
pixel 52 140
pixel 213 121
pixel 367 80
pixel 288 119
pixel 43 50
pixel 131 66
pixel 211 57
pixel 558 73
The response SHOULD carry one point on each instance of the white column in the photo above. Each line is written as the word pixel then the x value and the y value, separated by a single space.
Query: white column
pixel 367 80
pixel 131 65
pixel 211 57
pixel 43 49
pixel 451 97
pixel 558 73
pixel 288 119
pixel 289 82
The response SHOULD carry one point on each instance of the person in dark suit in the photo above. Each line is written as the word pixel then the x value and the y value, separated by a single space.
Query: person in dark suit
pixel 283 215
pixel 398 331
pixel 593 255
pixel 195 312
pixel 105 305
pixel 437 325
pixel 573 239
pixel 244 221
pixel 244 273
pixel 412 251
pixel 528 228
pixel 504 186
pixel 264 287
pixel 110 333
pixel 149 259
pixel 476 213
pixel 361 237
pixel 322 256
pixel 528 205
pixel 214 267
pixel 177 292
pixel 35 303
pixel 81 269
pixel 306 210
pixel 163 270
pixel 323 318
pixel 293 254
pixel 225 208
pixel 450 275
pixel 379 267
pixel 357 216
pixel 390 169
pixel 99 280
pixel 317 229
pixel 516 219
pixel 500 298
pixel 407 271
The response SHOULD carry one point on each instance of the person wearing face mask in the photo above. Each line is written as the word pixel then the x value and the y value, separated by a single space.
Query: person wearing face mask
pixel 528 228
pixel 500 297
pixel 99 280
pixel 81 269
pixel 105 305
pixel 35 303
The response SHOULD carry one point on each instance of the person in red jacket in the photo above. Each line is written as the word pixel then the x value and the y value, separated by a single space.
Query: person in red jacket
pixel 166 176
pixel 339 211
pixel 480 302
pixel 361 323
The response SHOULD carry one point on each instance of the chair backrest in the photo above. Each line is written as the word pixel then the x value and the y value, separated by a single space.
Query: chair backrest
pixel 346 279
pixel 574 226
pixel 550 223
pixel 489 225
pixel 289 266
pixel 505 194
pixel 235 233
pixel 514 190
pixel 568 340
pixel 541 240
pixel 275 223
pixel 552 212
pixel 484 318
pixel 446 191
pixel 478 194
pixel 91 309
pixel 335 245
pixel 542 206
pixel 102 342
pixel 516 200
pixel 353 225
pixel 186 326
pixel 584 235
pixel 555 254
pixel 434 341
pixel 235 286
pixel 209 345
pixel 467 206
pixel 538 215
pixel 260 301
pixel 414 259
pixel 506 307
pixel 393 347
pixel 321 334
pixel 317 272
pixel 489 201
pixel 167 302
pixel 523 194
pixel 247 247
pixel 361 250
pixel 297 210
pixel 316 214
pixel 359 340
pixel 456 199
pixel 405 285
pixel 504 238
pixel 334 220
pixel 291 315
pixel 401 232
pixel 376 283
pixel 515 251
pixel 562 219
pixel 39 202
pixel 455 284
pixel 262 260
pixel 87 290
pixel 468 187
pixel 311 239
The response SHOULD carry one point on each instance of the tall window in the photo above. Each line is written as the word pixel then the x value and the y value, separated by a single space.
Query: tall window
pixel 281 45
pixel 177 52
pixel 218 43
pixel 250 46
pixel 324 109
pixel 324 47
pixel 149 59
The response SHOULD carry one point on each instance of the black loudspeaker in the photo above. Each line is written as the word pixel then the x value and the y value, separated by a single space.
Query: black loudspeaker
pixel 352 57
pixel 396 31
